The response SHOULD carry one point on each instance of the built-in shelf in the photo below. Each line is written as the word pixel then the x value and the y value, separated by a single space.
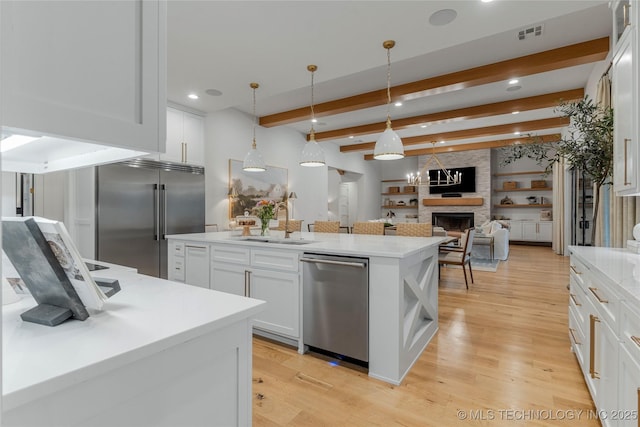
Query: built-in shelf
pixel 520 173
pixel 538 205
pixel 399 193
pixel 523 189
pixel 399 207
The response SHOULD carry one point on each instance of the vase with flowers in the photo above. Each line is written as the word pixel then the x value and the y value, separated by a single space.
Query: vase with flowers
pixel 265 210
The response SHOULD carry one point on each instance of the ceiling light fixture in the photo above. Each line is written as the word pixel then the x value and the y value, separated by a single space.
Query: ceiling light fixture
pixel 398 104
pixel 312 154
pixel 513 81
pixel 253 161
pixel 439 177
pixel 193 96
pixel 389 145
pixel 515 112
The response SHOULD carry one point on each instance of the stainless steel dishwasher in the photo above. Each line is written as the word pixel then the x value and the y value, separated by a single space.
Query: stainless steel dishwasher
pixel 336 304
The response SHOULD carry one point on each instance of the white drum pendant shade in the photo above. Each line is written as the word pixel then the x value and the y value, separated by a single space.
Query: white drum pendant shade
pixel 312 154
pixel 253 161
pixel 389 146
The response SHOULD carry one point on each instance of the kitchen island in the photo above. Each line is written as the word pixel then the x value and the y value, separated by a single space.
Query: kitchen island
pixel 159 354
pixel 403 285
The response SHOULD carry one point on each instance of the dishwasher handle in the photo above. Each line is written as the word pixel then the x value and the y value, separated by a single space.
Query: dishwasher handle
pixel 328 261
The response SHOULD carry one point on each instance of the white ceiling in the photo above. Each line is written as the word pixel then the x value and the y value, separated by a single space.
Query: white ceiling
pixel 225 45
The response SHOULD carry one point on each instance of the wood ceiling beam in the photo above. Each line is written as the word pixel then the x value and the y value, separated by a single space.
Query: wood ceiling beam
pixel 477 145
pixel 479 111
pixel 532 125
pixel 554 59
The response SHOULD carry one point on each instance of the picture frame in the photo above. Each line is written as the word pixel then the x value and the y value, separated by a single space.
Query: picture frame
pixel 248 188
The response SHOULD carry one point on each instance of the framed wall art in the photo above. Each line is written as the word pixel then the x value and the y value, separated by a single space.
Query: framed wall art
pixel 248 188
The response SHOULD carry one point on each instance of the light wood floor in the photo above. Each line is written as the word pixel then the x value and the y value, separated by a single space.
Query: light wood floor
pixel 501 357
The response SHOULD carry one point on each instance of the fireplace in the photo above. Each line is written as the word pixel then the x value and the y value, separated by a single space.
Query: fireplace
pixel 452 221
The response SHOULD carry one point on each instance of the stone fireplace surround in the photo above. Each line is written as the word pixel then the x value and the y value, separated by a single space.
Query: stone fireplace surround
pixel 481 159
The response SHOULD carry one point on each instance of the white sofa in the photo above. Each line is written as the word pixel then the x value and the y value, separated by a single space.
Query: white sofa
pixel 500 241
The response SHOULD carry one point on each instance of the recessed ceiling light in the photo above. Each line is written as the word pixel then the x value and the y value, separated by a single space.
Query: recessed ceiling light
pixel 314 120
pixel 516 133
pixel 193 96
pixel 398 104
pixel 515 112
pixel 423 126
pixel 513 81
pixel 486 1
pixel 350 136
pixel 213 92
pixel 514 88
pixel 442 142
pixel 443 17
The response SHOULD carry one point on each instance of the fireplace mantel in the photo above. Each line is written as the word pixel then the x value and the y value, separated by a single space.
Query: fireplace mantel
pixel 453 201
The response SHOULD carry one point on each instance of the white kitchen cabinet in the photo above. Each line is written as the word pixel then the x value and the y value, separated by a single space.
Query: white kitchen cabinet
pixel 530 231
pixel 266 274
pixel 625 91
pixel 175 261
pixel 197 265
pixel 86 71
pixel 594 308
pixel 185 138
pixel 628 389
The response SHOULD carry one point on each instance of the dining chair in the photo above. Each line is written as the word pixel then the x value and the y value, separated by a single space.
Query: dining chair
pixel 413 229
pixel 326 227
pixel 368 228
pixel 294 225
pixel 459 255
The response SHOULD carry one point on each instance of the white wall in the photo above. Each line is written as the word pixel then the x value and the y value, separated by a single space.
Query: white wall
pixel 228 135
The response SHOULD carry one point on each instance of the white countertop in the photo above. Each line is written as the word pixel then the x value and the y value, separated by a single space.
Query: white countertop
pixel 341 243
pixel 148 315
pixel 619 265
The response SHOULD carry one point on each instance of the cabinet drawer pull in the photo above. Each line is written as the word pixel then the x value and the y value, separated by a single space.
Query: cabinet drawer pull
pixel 573 336
pixel 594 291
pixel 636 340
pixel 573 268
pixel 626 144
pixel 575 301
pixel 592 346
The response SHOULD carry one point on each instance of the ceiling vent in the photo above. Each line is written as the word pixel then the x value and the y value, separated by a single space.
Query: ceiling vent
pixel 530 32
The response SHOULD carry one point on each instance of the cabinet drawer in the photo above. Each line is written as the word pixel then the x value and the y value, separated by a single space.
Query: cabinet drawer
pixel 277 260
pixel 177 270
pixel 230 253
pixel 178 249
pixel 577 300
pixel 578 271
pixel 604 299
pixel 629 330
pixel 577 337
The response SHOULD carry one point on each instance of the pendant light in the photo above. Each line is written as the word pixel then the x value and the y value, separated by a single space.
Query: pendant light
pixel 253 161
pixel 389 145
pixel 312 154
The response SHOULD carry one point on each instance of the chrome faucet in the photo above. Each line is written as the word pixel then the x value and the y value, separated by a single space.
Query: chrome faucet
pixel 284 204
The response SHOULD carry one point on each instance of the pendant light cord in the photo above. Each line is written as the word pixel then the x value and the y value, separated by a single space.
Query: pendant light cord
pixel 312 69
pixel 388 86
pixel 254 87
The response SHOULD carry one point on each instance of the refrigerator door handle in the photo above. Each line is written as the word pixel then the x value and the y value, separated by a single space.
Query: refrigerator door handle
pixel 164 211
pixel 156 224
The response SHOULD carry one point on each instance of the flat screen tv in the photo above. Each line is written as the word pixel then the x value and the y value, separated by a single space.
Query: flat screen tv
pixel 468 184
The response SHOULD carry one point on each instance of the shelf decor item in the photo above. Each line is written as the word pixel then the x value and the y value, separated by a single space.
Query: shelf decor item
pixel 394 189
pixel 538 183
pixel 509 185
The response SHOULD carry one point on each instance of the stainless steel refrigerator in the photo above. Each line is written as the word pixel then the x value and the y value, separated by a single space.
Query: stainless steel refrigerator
pixel 139 202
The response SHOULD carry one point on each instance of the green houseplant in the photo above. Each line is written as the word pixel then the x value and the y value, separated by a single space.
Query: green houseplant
pixel 587 146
